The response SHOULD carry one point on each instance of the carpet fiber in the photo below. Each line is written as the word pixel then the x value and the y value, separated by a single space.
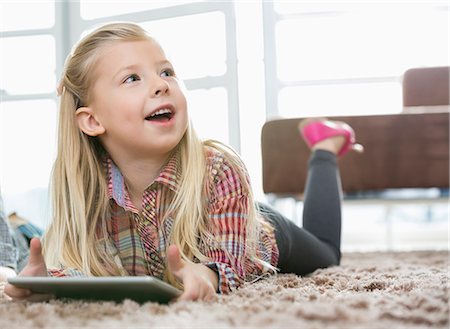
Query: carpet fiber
pixel 369 290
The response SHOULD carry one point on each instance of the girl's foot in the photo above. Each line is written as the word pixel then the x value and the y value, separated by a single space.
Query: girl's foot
pixel 334 136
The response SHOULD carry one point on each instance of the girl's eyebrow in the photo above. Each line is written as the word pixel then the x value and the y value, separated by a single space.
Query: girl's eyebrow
pixel 135 66
pixel 164 61
pixel 128 67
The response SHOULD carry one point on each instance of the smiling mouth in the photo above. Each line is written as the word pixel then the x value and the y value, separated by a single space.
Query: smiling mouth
pixel 160 115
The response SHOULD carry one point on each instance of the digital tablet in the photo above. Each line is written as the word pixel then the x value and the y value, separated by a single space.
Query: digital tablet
pixel 138 288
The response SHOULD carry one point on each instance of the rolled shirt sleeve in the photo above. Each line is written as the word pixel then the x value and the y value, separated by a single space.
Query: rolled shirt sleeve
pixel 227 218
pixel 227 255
pixel 66 272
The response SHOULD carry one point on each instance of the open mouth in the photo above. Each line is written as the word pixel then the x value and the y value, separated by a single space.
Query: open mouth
pixel 160 115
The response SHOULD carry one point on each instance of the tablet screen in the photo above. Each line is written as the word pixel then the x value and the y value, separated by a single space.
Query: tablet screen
pixel 138 288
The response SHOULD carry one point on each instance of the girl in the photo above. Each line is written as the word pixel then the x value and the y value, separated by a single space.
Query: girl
pixel 135 192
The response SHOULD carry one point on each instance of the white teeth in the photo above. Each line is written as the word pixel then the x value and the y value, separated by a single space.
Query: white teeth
pixel 162 111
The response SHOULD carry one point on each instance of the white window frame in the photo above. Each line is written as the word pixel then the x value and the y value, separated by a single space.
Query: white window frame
pixel 274 85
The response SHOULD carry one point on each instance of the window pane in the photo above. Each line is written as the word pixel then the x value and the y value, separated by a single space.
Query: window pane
pixel 195 44
pixel 210 122
pixel 103 8
pixel 18 15
pixel 351 99
pixel 330 7
pixel 301 7
pixel 355 44
pixel 28 139
pixel 27 65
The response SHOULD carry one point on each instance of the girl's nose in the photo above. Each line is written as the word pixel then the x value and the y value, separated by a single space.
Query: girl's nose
pixel 161 87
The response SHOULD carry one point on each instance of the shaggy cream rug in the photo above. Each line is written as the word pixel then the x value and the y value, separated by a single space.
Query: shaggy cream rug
pixel 369 290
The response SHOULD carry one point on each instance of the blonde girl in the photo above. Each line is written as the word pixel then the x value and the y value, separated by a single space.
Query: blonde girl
pixel 136 192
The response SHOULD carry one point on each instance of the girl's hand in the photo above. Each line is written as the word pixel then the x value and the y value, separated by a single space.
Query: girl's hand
pixel 35 267
pixel 200 282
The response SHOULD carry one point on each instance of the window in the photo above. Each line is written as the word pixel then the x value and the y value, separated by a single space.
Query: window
pixel 34 50
pixel 38 15
pixel 28 144
pixel 349 58
pixel 28 60
pixel 104 8
pixel 242 61
pixel 36 72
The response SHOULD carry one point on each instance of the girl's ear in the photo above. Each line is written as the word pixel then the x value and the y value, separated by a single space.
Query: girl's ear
pixel 88 123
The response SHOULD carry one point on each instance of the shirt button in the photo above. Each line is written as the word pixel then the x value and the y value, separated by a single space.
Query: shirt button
pixel 147 207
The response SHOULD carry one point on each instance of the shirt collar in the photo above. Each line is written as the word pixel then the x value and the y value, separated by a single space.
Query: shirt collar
pixel 169 176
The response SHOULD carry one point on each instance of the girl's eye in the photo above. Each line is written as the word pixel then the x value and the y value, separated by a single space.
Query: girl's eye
pixel 132 78
pixel 168 73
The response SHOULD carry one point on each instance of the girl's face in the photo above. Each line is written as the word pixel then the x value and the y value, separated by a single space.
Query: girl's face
pixel 138 107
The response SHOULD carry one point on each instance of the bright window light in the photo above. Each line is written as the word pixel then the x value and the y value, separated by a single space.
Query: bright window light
pixel 208 109
pixel 321 7
pixel 104 8
pixel 17 15
pixel 363 43
pixel 28 136
pixel 344 99
pixel 28 65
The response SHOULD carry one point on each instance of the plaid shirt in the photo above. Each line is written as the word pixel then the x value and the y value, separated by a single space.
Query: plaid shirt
pixel 8 252
pixel 140 239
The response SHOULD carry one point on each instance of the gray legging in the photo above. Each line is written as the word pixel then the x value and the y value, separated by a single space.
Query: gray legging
pixel 317 244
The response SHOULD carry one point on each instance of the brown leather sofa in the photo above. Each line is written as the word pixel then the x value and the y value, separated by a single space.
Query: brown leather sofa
pixel 401 151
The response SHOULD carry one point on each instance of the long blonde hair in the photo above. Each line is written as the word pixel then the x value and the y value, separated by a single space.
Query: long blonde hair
pixel 79 188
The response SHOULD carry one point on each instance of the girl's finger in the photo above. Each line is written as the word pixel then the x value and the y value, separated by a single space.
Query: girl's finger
pixel 36 258
pixel 174 261
pixel 16 293
pixel 191 291
pixel 198 291
pixel 209 295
